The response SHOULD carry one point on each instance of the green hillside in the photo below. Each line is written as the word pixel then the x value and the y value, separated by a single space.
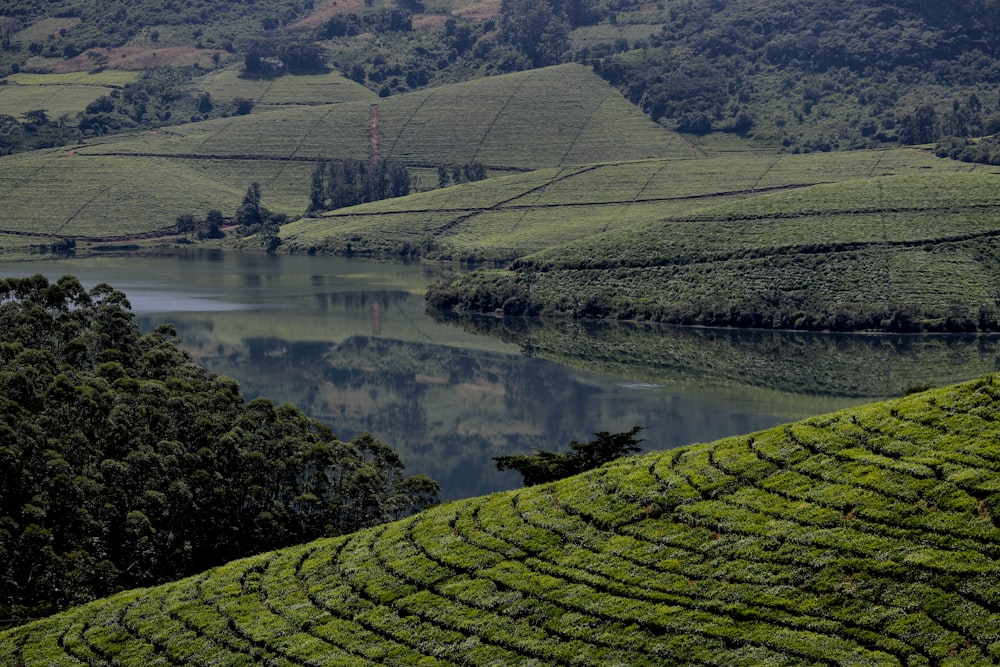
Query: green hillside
pixel 289 90
pixel 900 252
pixel 502 219
pixel 59 94
pixel 541 118
pixel 138 183
pixel 863 537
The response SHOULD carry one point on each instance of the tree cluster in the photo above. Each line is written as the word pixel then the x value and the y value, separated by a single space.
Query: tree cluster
pixel 123 463
pixel 781 73
pixel 383 20
pixel 545 466
pixel 209 227
pixel 469 172
pixel 340 183
pixel 158 98
pixel 266 57
pixel 983 151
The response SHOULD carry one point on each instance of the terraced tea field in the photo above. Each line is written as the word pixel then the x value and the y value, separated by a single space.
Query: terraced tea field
pixel 58 94
pixel 541 118
pixel 119 185
pixel 59 192
pixel 506 218
pixel 863 537
pixel 914 248
pixel 288 90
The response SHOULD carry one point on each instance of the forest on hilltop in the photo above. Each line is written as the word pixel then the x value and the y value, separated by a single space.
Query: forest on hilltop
pixel 819 76
pixel 804 75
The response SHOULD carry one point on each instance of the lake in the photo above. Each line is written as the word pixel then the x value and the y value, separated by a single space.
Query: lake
pixel 350 343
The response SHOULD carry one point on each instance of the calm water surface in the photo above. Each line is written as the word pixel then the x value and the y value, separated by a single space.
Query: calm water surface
pixel 350 343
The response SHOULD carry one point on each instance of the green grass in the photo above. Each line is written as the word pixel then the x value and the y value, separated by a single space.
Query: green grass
pixel 56 192
pixel 567 209
pixel 863 537
pixel 542 118
pixel 59 94
pixel 289 90
pixel 918 243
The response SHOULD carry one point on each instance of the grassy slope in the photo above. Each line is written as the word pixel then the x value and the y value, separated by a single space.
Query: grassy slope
pixel 59 94
pixel 864 537
pixel 107 187
pixel 288 90
pixel 541 118
pixel 507 218
pixel 920 240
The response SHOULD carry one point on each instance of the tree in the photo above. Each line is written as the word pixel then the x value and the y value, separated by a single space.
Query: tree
pixel 545 466
pixel 8 26
pixel 535 30
pixel 185 224
pixel 250 212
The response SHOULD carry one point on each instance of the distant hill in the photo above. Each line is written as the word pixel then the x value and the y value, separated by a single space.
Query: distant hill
pixel 527 120
pixel 139 183
pixel 863 537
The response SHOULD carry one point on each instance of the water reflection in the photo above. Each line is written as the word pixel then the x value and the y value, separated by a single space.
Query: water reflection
pixel 351 344
pixel 848 365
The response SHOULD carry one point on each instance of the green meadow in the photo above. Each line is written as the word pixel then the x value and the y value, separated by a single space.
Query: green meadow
pixel 862 537
pixel 585 214
pixel 59 94
pixel 139 183
pixel 288 90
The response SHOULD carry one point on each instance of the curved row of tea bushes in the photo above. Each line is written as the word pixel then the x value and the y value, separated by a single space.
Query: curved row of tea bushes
pixel 864 537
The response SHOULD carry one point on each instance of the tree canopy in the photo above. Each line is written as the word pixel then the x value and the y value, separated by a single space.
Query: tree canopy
pixel 123 463
pixel 545 466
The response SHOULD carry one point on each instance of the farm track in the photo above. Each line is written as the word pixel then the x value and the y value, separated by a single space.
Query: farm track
pixel 865 537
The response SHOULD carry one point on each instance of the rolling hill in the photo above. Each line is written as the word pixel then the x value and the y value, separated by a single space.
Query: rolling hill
pixel 503 219
pixel 134 184
pixel 862 537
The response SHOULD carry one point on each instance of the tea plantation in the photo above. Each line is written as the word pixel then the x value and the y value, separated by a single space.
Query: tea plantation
pixel 863 537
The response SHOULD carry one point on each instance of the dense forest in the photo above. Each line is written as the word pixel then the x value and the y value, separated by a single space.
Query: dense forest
pixel 819 76
pixel 123 463
pixel 807 75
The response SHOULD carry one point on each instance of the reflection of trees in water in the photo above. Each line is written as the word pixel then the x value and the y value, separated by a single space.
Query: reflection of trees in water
pixel 860 365
pixel 358 300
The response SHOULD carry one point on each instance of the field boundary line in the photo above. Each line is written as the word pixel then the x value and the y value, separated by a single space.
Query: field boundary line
pixel 496 117
pixel 413 114
pixel 583 128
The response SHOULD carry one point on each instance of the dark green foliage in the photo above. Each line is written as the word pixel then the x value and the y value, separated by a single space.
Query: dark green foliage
pixel 340 183
pixel 267 57
pixel 983 151
pixel 820 76
pixel 545 466
pixel 123 463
